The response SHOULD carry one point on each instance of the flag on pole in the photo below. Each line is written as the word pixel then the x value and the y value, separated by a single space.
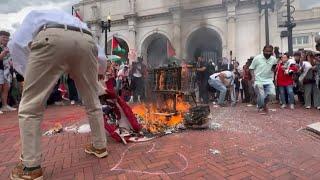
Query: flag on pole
pixel 116 47
pixel 76 13
pixel 170 50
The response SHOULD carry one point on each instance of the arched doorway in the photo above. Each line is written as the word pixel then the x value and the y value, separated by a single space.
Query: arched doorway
pixel 154 50
pixel 123 45
pixel 206 42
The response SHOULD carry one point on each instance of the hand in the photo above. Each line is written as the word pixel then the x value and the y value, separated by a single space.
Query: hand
pixel 4 52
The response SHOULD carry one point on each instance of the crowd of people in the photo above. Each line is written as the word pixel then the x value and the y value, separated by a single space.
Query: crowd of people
pixel 50 42
pixel 289 77
pixel 289 80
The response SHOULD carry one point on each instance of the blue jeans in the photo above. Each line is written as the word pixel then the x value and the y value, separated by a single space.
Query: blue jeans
pixel 264 92
pixel 289 90
pixel 218 85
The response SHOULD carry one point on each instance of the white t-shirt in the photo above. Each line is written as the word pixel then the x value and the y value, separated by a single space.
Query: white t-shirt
pixel 228 75
pixel 138 72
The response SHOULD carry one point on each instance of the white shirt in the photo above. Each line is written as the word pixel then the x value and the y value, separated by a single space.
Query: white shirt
pixel 138 73
pixel 306 66
pixel 18 45
pixel 228 75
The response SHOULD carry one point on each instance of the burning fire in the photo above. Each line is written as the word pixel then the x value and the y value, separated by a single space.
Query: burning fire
pixel 156 120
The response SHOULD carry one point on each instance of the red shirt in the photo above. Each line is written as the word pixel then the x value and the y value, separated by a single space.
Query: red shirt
pixel 284 79
pixel 246 73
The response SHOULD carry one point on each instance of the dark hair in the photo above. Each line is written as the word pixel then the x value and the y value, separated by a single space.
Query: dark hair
pixel 286 54
pixel 268 46
pixel 4 33
pixel 298 53
pixel 311 54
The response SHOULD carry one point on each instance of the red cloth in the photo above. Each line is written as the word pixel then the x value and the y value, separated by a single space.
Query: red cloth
pixel 284 79
pixel 110 84
pixel 128 113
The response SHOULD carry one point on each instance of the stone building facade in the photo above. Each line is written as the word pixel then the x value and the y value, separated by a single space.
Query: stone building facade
pixel 214 27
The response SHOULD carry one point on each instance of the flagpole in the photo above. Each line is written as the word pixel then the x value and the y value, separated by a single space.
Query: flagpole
pixel 112 45
pixel 167 49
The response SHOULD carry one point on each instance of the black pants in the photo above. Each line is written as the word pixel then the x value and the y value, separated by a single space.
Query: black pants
pixel 138 88
pixel 203 91
pixel 73 93
pixel 246 91
pixel 55 95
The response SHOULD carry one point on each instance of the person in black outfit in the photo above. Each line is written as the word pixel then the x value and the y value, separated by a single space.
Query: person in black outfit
pixel 73 93
pixel 202 79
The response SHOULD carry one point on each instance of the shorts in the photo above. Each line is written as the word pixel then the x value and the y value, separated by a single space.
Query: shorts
pixel 1 76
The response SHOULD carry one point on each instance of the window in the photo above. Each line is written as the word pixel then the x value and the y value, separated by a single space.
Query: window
pixel 300 40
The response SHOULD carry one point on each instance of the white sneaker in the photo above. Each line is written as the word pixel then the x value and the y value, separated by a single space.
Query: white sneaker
pixel 318 107
pixel 131 99
pixel 7 108
pixel 283 106
pixel 291 106
pixel 1 112
pixel 308 107
pixel 73 102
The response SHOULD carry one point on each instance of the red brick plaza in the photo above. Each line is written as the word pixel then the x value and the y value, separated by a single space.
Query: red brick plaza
pixel 251 146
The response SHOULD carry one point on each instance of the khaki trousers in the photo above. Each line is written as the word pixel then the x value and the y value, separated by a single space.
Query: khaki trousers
pixel 53 52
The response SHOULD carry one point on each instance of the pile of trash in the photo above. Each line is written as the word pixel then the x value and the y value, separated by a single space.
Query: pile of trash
pixel 84 128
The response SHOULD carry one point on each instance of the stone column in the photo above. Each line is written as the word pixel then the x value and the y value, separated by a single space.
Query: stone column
pixel 132 6
pixel 231 27
pixel 132 36
pixel 176 40
pixel 132 30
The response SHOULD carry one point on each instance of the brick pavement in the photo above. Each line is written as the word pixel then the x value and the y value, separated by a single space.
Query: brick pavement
pixel 252 146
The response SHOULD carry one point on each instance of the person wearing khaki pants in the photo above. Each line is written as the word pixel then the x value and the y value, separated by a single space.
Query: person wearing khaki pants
pixel 55 51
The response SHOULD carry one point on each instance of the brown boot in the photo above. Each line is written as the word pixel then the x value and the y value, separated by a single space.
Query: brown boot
pixel 100 153
pixel 20 172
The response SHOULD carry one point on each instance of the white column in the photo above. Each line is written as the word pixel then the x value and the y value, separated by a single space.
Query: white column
pixel 231 27
pixel 132 37
pixel 176 40
pixel 132 21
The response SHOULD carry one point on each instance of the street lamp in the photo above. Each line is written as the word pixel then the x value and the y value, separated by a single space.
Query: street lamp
pixel 289 24
pixel 268 4
pixel 105 26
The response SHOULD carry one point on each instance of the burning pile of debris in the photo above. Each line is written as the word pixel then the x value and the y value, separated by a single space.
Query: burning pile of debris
pixel 168 110
pixel 157 122
pixel 197 117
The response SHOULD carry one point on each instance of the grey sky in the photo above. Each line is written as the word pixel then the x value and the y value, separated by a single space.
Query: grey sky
pixel 12 12
pixel 306 4
pixel 10 6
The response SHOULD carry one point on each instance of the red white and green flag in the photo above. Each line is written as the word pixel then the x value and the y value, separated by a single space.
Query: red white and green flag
pixel 76 13
pixel 116 47
pixel 170 50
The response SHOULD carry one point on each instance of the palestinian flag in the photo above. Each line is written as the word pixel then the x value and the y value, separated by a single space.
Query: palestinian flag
pixel 170 50
pixel 76 13
pixel 116 47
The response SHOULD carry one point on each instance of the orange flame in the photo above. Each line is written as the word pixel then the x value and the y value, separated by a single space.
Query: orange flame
pixel 156 121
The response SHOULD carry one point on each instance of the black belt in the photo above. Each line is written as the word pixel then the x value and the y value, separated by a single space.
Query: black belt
pixel 62 26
